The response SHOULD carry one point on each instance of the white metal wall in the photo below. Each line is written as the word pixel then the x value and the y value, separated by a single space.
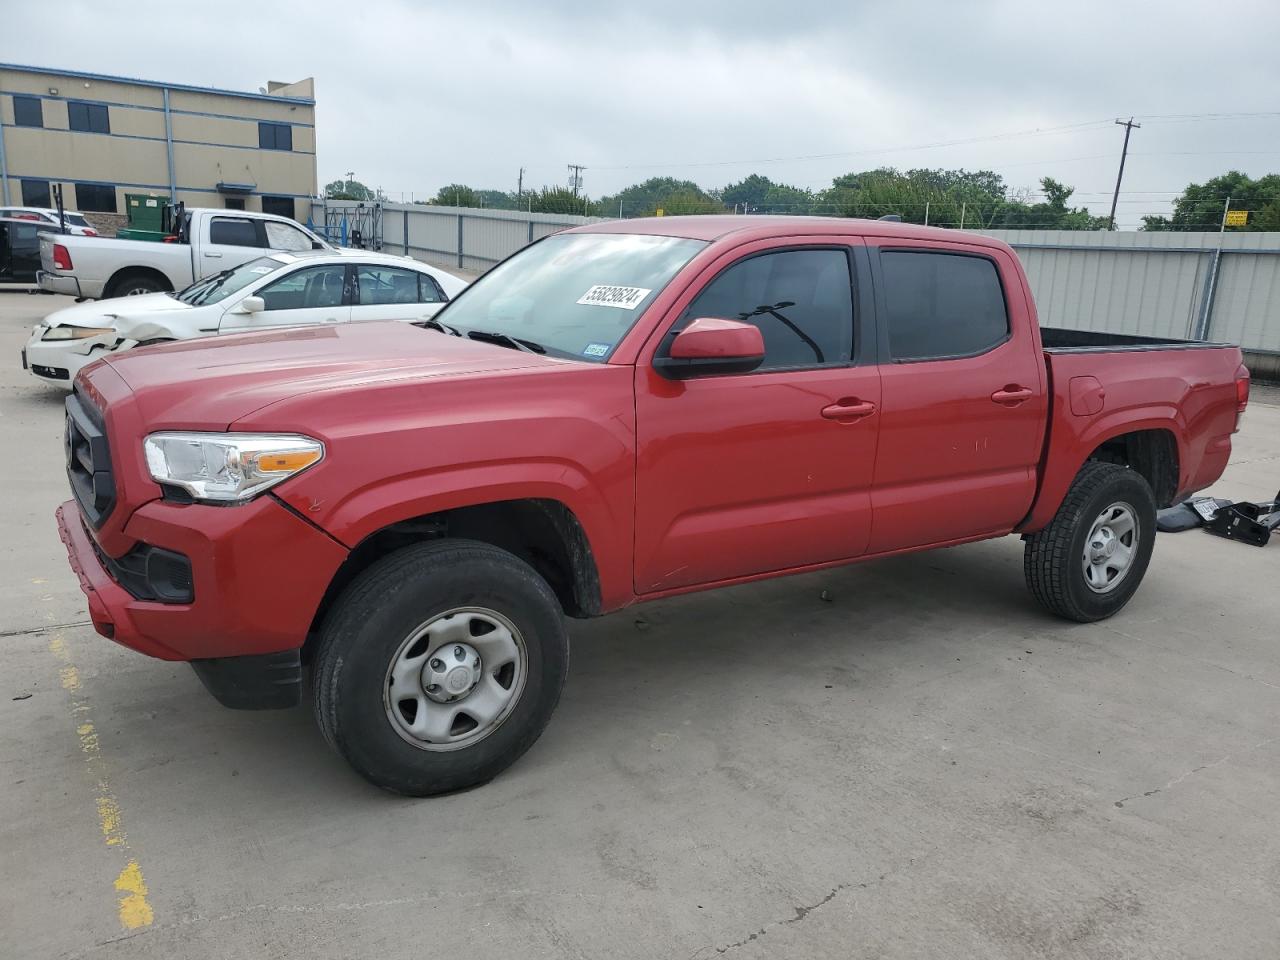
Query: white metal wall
pixel 1156 284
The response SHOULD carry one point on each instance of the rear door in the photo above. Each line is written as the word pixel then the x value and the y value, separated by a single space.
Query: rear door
pixel 963 406
pixel 743 474
pixel 307 296
pixel 384 292
pixel 228 242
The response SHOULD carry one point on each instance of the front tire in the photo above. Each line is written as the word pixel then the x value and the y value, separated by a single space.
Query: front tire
pixel 1091 558
pixel 439 666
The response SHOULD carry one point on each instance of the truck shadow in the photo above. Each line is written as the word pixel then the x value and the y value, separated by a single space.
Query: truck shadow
pixel 692 657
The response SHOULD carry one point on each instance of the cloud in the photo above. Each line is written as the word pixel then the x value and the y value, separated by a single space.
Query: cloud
pixel 414 95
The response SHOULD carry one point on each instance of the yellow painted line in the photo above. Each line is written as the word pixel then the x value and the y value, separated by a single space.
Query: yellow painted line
pixel 132 905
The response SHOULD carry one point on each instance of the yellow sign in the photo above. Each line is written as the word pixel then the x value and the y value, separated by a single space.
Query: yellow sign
pixel 660 212
pixel 1237 218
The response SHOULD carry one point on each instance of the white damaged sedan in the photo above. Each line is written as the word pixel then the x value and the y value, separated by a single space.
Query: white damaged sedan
pixel 279 290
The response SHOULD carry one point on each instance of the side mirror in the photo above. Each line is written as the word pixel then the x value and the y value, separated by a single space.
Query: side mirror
pixel 709 346
pixel 317 245
pixel 252 305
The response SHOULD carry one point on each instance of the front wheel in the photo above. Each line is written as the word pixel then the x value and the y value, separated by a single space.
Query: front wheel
pixel 1091 558
pixel 439 666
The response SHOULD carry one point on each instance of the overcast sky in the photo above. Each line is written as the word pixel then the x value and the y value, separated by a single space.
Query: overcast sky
pixel 414 95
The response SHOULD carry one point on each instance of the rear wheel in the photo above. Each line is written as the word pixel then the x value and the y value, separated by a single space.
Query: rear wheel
pixel 439 666
pixel 136 284
pixel 1090 560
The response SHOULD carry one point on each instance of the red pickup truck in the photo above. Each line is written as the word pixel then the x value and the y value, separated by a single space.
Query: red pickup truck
pixel 620 412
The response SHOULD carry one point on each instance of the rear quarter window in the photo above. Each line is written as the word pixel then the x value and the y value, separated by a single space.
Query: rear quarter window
pixel 941 305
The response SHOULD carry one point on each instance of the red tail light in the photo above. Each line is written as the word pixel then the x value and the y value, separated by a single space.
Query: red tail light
pixel 61 258
pixel 90 233
pixel 1242 392
pixel 27 216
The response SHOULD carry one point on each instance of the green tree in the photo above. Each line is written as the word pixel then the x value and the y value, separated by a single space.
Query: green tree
pixel 456 195
pixel 348 190
pixel 556 200
pixel 643 199
pixel 1202 205
pixel 758 194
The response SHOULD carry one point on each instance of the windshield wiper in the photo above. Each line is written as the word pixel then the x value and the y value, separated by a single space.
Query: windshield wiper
pixel 434 324
pixel 505 339
pixel 217 281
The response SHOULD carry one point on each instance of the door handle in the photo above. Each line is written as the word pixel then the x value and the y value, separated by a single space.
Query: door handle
pixel 1012 394
pixel 849 410
pixel 214 256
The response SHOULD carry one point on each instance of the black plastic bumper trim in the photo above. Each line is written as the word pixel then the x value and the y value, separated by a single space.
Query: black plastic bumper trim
pixel 268 681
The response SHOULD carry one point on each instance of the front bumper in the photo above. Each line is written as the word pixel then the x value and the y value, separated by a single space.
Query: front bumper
pixel 259 573
pixel 55 283
pixel 58 361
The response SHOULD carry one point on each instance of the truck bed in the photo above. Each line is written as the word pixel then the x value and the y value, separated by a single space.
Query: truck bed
pixel 1062 340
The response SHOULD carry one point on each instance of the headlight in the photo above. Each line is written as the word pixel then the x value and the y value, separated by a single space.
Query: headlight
pixel 74 333
pixel 228 467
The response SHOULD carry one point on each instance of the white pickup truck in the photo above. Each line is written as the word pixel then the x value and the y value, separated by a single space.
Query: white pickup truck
pixel 208 241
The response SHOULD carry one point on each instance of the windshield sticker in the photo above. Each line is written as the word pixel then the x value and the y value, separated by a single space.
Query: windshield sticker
pixel 605 295
pixel 595 349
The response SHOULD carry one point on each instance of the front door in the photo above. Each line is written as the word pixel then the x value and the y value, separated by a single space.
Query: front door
pixel 744 474
pixel 963 403
pixel 309 296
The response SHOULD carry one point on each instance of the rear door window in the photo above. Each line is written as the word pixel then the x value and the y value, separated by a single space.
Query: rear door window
pixel 941 305
pixel 233 232
pixel 383 285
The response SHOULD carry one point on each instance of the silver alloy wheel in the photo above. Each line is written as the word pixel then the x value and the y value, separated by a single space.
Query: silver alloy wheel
pixel 138 291
pixel 455 678
pixel 1111 547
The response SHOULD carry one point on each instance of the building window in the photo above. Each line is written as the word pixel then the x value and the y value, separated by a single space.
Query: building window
pixel 27 112
pixel 275 136
pixel 234 203
pixel 88 117
pixel 96 197
pixel 35 193
pixel 280 206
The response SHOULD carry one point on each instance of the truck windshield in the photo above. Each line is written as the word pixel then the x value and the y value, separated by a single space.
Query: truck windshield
pixel 571 295
pixel 224 284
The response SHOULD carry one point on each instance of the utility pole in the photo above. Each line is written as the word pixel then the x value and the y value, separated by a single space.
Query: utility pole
pixel 520 184
pixel 346 186
pixel 1124 151
pixel 575 177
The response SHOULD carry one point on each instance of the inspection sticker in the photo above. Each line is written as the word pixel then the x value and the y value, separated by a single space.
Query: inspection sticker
pixel 605 295
pixel 595 350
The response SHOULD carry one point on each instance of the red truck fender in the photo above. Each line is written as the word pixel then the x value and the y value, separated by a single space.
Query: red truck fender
pixel 1077 439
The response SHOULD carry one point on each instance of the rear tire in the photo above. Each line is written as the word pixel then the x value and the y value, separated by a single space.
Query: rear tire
pixel 1091 558
pixel 439 666
pixel 135 285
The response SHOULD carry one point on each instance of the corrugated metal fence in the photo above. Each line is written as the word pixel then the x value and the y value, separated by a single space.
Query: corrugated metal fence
pixel 465 237
pixel 1195 286
pixel 1201 286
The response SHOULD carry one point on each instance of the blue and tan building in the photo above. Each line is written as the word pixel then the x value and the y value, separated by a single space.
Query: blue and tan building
pixel 103 136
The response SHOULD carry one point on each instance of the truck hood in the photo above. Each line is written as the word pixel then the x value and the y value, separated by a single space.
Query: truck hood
pixel 118 312
pixel 210 383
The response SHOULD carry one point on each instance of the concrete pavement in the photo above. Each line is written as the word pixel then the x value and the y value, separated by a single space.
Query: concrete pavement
pixel 923 764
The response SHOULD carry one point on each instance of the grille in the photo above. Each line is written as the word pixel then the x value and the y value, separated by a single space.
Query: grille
pixel 89 461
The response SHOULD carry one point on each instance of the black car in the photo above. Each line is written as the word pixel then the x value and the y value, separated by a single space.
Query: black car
pixel 20 248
